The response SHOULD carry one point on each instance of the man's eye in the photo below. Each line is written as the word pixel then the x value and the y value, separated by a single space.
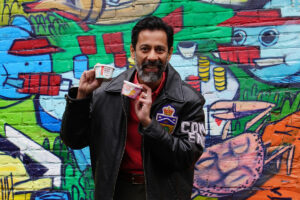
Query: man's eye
pixel 144 49
pixel 160 50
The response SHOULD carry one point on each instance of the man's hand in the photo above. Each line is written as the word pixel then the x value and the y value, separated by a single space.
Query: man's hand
pixel 87 84
pixel 143 106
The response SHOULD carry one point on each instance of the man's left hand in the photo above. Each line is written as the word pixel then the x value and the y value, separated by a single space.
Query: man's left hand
pixel 143 106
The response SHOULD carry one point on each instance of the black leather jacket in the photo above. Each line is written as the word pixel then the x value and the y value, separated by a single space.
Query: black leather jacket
pixel 100 122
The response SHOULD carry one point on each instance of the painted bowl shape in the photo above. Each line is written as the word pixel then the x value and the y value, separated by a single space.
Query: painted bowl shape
pixel 103 71
pixel 131 90
pixel 229 167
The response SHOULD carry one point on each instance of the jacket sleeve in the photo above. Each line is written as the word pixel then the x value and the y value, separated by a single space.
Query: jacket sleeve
pixel 75 128
pixel 182 148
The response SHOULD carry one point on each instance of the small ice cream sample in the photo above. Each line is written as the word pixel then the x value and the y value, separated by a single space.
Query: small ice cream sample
pixel 131 90
pixel 103 71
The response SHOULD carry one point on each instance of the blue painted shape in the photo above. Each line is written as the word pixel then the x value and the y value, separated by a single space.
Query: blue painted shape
pixel 51 196
pixel 45 120
pixel 82 157
pixel 12 65
pixel 81 64
pixel 22 22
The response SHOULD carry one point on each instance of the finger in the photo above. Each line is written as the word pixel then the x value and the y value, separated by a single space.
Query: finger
pixel 143 95
pixel 90 75
pixel 147 90
pixel 137 104
pixel 82 78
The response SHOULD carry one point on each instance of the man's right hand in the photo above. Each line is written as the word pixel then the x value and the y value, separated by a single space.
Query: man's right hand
pixel 88 83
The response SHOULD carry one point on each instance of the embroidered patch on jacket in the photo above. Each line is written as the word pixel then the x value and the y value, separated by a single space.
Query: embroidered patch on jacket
pixel 167 118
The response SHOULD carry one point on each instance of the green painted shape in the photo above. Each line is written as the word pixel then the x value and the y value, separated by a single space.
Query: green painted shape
pixel 286 101
pixel 205 198
pixel 22 117
pixel 205 32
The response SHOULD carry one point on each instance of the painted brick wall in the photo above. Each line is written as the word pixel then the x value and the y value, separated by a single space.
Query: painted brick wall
pixel 242 55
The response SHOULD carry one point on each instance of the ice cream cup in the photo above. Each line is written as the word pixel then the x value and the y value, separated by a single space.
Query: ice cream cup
pixel 131 90
pixel 103 71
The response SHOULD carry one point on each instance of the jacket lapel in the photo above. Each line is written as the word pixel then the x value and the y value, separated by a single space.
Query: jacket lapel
pixel 173 85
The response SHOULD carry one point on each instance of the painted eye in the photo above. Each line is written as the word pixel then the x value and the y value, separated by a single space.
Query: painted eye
pixel 26 64
pixel 268 37
pixel 239 37
pixel 40 63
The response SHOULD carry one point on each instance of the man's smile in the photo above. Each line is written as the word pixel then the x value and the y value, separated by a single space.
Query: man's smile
pixel 151 69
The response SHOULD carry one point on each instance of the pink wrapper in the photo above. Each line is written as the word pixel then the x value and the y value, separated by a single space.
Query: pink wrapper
pixel 131 90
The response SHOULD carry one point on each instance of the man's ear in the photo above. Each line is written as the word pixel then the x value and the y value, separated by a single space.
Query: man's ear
pixel 132 52
pixel 170 54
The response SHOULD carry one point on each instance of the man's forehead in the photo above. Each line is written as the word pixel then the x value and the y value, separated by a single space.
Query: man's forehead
pixel 153 36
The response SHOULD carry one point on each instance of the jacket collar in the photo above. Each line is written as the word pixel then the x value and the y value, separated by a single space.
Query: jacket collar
pixel 172 89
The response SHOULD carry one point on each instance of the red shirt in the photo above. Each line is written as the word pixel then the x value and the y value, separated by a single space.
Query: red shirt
pixel 132 161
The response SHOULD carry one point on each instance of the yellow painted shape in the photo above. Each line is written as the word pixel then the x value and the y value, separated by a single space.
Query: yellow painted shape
pixel 12 171
pixel 34 185
pixel 219 79
pixel 26 196
pixel 203 69
pixel 204 74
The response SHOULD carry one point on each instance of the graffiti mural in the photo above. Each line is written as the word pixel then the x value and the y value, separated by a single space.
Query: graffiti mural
pixel 241 55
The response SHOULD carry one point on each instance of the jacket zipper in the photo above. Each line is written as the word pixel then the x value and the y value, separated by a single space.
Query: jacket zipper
pixel 123 150
pixel 143 147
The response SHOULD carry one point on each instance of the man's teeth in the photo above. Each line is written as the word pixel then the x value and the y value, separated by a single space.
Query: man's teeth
pixel 151 67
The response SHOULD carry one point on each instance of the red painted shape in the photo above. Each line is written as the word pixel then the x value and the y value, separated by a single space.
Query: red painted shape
pixel 67 15
pixel 218 121
pixel 113 43
pixel 259 18
pixel 194 81
pixel 239 54
pixel 44 85
pixel 31 7
pixel 87 44
pixel 40 83
pixel 54 84
pixel 25 88
pixel 175 19
pixel 193 78
pixel 32 46
pixel 34 84
pixel 120 59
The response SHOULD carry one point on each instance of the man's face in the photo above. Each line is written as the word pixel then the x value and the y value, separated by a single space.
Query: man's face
pixel 151 55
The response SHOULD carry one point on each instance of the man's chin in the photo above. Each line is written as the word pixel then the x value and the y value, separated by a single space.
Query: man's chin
pixel 149 78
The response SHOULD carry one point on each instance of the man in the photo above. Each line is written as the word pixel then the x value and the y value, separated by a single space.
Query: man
pixel 143 148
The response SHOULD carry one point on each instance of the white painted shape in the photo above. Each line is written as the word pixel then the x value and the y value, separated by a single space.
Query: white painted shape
pixel 37 153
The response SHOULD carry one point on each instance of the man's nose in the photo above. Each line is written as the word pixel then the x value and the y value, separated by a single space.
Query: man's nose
pixel 152 55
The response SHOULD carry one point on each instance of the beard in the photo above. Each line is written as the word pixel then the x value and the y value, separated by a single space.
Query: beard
pixel 150 77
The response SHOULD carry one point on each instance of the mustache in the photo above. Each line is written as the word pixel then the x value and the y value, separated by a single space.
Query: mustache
pixel 156 63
